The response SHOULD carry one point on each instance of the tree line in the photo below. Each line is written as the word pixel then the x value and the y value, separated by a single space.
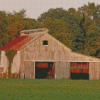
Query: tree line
pixel 78 29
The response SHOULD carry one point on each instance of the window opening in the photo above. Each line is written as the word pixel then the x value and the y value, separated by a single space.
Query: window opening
pixel 45 42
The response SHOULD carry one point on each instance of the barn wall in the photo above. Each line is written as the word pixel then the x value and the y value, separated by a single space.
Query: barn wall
pixel 54 51
pixel 16 63
pixel 37 51
pixel 29 70
pixel 62 70
pixel 57 70
pixel 22 71
pixel 94 69
pixel 99 70
pixel 4 61
pixel 68 69
pixel 75 57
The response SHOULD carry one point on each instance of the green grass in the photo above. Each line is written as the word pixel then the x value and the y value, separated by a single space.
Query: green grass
pixel 44 89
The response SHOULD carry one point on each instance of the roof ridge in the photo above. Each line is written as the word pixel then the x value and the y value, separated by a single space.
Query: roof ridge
pixel 39 29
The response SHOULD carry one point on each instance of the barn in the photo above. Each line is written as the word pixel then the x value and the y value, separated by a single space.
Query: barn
pixel 41 56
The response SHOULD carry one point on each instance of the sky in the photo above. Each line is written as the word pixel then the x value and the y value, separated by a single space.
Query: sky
pixel 36 7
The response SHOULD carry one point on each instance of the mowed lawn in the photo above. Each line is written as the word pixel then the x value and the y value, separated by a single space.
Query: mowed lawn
pixel 45 89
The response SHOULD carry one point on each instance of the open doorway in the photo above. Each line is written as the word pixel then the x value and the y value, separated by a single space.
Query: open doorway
pixel 79 70
pixel 44 70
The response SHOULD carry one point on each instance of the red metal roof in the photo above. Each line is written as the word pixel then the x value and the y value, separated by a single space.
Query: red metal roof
pixel 22 43
pixel 13 42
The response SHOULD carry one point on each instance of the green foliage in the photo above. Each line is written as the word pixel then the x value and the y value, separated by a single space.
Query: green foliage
pixel 12 23
pixel 3 26
pixel 31 23
pixel 1 42
pixel 92 40
pixel 10 26
pixel 58 30
pixel 63 25
pixel 10 55
pixel 57 13
pixel 21 14
pixel 77 29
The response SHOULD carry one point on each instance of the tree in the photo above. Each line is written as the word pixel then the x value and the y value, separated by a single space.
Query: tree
pixel 92 40
pixel 91 11
pixel 31 23
pixel 21 14
pixel 3 26
pixel 16 22
pixel 57 13
pixel 57 29
pixel 12 32
pixel 71 25
pixel 10 55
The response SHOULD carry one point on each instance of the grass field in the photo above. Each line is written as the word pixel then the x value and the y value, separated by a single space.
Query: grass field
pixel 44 89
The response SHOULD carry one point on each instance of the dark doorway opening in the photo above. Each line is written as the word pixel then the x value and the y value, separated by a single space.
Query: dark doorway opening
pixel 43 69
pixel 79 70
pixel 79 76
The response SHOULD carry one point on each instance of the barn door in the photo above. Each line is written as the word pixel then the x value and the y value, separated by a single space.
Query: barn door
pixel 44 70
pixel 29 70
pixel 79 70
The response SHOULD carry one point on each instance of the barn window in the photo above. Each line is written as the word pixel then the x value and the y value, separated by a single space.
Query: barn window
pixel 45 42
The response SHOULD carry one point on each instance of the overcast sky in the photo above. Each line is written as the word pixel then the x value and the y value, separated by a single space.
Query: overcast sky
pixel 36 7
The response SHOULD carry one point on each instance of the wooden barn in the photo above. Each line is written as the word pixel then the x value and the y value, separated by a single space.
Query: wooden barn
pixel 40 56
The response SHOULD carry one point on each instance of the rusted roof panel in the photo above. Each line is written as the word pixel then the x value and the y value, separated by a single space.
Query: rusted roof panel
pixel 13 42
pixel 22 43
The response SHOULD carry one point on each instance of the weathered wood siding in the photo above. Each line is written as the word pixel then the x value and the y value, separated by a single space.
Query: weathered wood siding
pixel 99 70
pixel 16 63
pixel 54 51
pixel 29 70
pixel 77 57
pixel 22 71
pixel 62 70
pixel 94 68
pixel 4 62
pixel 57 70
pixel 37 51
